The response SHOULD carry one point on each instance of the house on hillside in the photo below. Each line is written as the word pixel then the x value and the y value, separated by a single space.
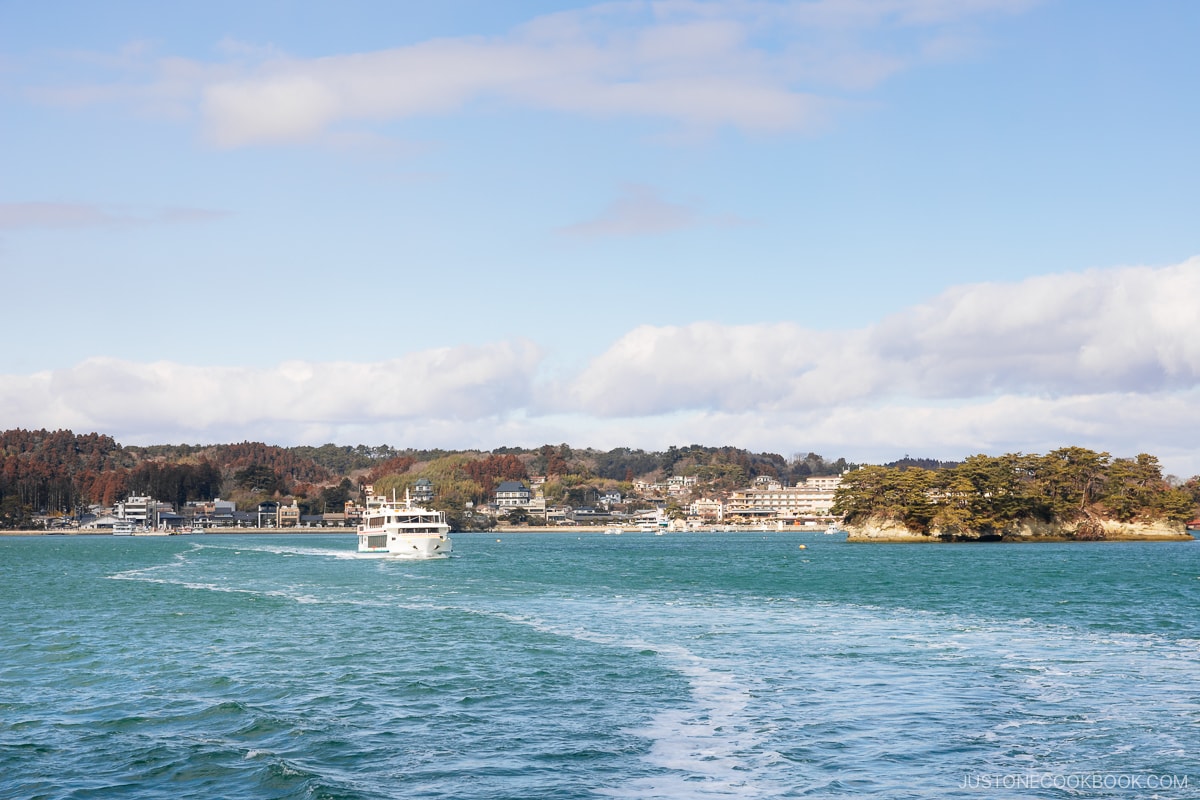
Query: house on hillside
pixel 767 482
pixel 680 485
pixel 823 483
pixel 512 493
pixel 422 491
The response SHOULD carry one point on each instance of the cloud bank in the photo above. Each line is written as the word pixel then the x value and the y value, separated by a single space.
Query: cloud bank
pixel 1106 358
pixel 750 65
pixel 1118 330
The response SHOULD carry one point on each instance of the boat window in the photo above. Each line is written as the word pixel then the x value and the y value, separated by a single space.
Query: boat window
pixel 377 541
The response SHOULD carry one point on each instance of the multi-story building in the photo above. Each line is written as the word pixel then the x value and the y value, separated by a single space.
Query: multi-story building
pixel 828 483
pixel 707 509
pixel 422 491
pixel 213 508
pixel 512 493
pixel 141 510
pixel 268 514
pixel 353 512
pixel 810 498
pixel 289 516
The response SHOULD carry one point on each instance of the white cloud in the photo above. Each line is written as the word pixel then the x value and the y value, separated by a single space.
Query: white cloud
pixel 1123 424
pixel 455 385
pixel 749 65
pixel 1105 358
pixel 27 216
pixel 19 216
pixel 639 211
pixel 700 76
pixel 1117 330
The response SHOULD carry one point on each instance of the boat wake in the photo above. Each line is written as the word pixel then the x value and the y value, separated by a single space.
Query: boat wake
pixel 709 745
pixel 403 556
pixel 299 550
pixel 748 727
pixel 280 549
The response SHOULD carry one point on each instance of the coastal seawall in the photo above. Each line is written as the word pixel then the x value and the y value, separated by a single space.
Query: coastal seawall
pixel 878 529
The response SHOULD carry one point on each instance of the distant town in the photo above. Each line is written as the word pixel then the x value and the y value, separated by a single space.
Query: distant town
pixel 676 504
pixel 61 481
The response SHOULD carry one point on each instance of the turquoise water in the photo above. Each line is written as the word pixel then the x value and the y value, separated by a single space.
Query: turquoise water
pixel 591 666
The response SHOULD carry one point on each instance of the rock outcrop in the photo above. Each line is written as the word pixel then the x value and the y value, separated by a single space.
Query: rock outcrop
pixel 883 529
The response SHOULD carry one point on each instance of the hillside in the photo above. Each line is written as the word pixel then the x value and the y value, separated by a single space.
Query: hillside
pixel 59 472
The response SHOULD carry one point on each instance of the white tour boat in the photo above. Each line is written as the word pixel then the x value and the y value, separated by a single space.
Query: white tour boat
pixel 397 528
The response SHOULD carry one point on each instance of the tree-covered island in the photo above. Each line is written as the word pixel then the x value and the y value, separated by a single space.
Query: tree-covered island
pixel 1068 494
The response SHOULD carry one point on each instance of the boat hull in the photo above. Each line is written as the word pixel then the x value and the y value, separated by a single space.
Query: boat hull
pixel 409 546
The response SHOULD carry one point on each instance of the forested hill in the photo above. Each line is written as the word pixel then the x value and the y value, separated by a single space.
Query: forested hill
pixel 989 495
pixel 60 471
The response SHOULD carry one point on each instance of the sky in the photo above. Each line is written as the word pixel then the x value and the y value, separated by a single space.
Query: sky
pixel 862 228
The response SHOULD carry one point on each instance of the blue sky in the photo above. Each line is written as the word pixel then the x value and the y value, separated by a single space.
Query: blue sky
pixel 864 228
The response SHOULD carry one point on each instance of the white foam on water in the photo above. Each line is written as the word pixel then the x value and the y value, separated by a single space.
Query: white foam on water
pixel 710 745
pixel 288 550
pixel 762 676
pixel 400 556
pixel 139 574
pixel 713 746
pixel 722 739
pixel 285 550
pixel 148 575
pixel 213 587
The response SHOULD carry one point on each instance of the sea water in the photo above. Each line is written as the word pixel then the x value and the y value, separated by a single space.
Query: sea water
pixel 588 666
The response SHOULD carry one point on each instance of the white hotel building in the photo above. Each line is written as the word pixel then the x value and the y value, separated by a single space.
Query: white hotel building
pixel 812 497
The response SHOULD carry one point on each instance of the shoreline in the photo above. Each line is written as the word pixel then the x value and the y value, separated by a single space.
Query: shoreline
pixel 919 539
pixel 887 530
pixel 872 537
pixel 352 531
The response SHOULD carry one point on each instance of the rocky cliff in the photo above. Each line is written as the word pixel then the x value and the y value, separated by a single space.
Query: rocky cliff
pixel 883 529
